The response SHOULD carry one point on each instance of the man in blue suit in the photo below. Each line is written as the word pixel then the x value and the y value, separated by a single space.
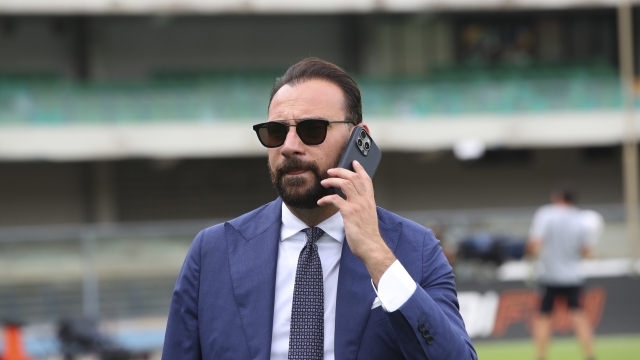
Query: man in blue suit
pixel 311 275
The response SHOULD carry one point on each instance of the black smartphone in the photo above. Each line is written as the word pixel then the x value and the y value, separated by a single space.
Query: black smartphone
pixel 360 147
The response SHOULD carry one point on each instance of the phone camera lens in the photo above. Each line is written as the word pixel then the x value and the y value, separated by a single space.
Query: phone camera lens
pixel 363 134
pixel 359 142
pixel 366 146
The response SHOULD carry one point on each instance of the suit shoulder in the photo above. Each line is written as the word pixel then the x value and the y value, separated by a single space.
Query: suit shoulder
pixel 410 228
pixel 249 225
pixel 211 232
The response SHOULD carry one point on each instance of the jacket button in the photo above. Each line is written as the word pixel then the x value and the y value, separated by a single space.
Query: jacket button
pixel 425 333
pixel 429 339
pixel 421 327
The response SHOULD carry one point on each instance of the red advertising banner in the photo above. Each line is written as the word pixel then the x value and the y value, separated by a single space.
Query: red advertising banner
pixel 498 310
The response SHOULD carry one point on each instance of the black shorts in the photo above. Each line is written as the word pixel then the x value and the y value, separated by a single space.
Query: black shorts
pixel 571 293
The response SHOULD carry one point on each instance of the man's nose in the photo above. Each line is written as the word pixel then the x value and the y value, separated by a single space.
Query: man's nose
pixel 292 143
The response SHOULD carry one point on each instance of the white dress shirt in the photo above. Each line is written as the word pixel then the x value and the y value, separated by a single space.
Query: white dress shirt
pixel 395 287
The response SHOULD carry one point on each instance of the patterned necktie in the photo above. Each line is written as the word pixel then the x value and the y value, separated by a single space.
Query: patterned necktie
pixel 306 339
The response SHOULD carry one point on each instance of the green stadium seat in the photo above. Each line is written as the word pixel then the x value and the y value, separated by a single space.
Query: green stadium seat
pixel 240 96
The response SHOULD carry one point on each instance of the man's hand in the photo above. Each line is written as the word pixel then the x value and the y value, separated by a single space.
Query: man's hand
pixel 360 218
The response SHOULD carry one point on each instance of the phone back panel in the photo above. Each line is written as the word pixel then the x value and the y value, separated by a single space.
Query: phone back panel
pixel 362 148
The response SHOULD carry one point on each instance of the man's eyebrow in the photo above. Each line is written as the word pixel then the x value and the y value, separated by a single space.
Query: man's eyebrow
pixel 313 118
pixel 302 118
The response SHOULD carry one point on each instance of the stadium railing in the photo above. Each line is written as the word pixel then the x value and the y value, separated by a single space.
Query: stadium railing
pixel 128 270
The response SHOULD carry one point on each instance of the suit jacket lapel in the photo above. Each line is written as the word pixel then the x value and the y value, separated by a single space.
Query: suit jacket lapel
pixel 356 295
pixel 252 242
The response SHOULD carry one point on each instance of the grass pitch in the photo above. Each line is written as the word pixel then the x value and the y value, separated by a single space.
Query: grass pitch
pixel 625 347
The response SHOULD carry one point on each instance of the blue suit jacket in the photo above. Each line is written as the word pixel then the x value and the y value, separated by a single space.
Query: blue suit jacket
pixel 222 306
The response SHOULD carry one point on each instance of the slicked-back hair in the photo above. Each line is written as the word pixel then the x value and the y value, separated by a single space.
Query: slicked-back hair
pixel 317 69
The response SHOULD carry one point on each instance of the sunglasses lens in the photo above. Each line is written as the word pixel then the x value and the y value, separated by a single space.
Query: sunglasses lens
pixel 272 134
pixel 312 132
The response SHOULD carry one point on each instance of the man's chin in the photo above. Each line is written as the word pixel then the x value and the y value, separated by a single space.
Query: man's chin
pixel 298 182
pixel 299 199
pixel 302 197
pixel 302 205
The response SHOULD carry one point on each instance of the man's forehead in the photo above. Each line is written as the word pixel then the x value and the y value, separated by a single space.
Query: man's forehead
pixel 312 98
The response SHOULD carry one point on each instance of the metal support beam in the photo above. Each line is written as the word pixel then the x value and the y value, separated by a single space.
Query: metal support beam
pixel 104 197
pixel 90 284
pixel 630 147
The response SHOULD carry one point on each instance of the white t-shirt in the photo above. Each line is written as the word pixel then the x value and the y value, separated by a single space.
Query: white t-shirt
pixel 594 223
pixel 564 234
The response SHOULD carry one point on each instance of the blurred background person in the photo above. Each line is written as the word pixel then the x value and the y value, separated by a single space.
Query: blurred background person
pixel 560 239
pixel 448 247
pixel 594 223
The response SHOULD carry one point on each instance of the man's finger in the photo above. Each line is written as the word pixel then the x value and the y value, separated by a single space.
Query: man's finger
pixel 365 179
pixel 356 179
pixel 359 169
pixel 334 200
pixel 341 173
pixel 346 186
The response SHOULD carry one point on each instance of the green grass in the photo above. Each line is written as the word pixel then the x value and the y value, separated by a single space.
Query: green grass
pixel 607 348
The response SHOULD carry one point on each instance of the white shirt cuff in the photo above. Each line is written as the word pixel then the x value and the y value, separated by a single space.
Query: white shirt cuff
pixel 395 287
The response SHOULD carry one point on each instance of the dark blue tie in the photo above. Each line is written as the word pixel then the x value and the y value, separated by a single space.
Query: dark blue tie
pixel 306 339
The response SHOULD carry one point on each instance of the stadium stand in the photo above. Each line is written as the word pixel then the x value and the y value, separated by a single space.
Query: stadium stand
pixel 40 100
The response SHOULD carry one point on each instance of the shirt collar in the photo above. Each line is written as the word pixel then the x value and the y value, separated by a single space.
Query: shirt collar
pixel 291 225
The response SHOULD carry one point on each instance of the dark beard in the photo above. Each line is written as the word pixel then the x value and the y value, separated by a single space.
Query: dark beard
pixel 292 191
pixel 295 191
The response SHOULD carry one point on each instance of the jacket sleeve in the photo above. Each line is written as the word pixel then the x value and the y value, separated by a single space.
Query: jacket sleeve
pixel 182 341
pixel 428 325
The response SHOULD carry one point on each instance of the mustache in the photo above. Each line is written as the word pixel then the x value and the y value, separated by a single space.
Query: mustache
pixel 296 164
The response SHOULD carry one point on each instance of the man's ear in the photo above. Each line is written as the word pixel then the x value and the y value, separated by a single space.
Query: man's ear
pixel 366 128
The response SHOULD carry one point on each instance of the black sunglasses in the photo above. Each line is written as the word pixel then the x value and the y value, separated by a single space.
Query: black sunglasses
pixel 311 131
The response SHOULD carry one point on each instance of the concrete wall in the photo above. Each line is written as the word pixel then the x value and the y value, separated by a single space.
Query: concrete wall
pixel 438 181
pixel 409 45
pixel 35 45
pixel 145 190
pixel 137 47
pixel 43 193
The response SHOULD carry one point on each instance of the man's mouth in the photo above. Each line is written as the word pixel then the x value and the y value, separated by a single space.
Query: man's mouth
pixel 297 172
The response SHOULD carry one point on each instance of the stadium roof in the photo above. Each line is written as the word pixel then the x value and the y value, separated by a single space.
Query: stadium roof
pixel 280 6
